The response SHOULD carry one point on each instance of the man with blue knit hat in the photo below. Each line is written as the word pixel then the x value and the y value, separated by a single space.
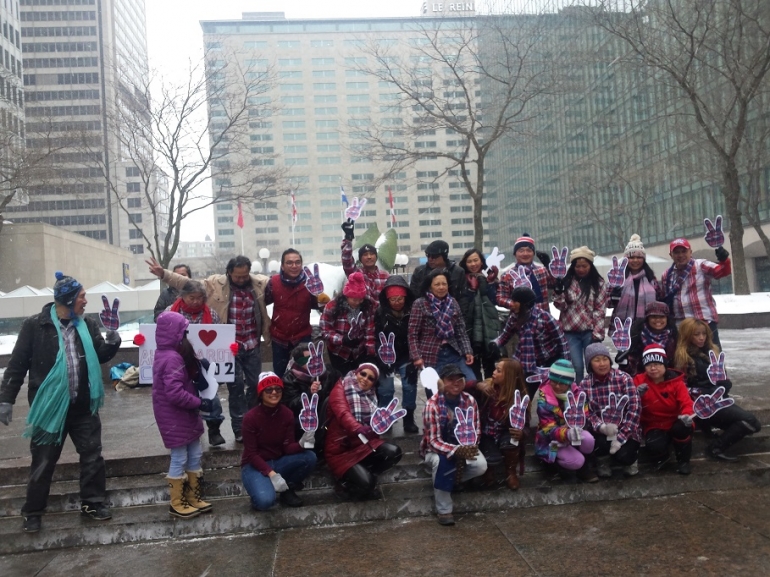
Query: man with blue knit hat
pixel 61 350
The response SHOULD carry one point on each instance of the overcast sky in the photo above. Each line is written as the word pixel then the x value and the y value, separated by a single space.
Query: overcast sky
pixel 174 38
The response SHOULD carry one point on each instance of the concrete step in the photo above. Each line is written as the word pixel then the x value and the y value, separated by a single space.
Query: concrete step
pixel 403 498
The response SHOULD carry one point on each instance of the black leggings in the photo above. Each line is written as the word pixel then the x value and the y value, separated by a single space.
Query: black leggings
pixel 625 456
pixel 658 441
pixel 361 478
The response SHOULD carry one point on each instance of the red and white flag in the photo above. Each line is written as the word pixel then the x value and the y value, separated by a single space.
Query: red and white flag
pixel 239 222
pixel 293 210
pixel 392 210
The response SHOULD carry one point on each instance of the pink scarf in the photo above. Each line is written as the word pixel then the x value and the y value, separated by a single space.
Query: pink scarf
pixel 627 307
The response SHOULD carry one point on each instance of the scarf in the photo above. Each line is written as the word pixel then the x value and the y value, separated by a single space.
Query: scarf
pixel 629 294
pixel 293 282
pixel 536 288
pixel 45 421
pixel 652 338
pixel 442 313
pixel 674 280
pixel 361 403
pixel 193 315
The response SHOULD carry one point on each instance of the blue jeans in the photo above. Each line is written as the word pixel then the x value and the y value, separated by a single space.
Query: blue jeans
pixel 282 355
pixel 243 391
pixel 185 458
pixel 578 341
pixel 293 468
pixel 447 356
pixel 386 388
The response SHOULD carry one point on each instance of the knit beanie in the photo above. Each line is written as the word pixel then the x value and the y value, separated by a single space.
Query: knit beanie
pixel 395 291
pixel 370 366
pixel 562 372
pixel 582 252
pixel 268 379
pixel 438 248
pixel 355 288
pixel 524 241
pixel 596 350
pixel 635 247
pixel 366 248
pixel 654 353
pixel 656 309
pixel 523 295
pixel 66 289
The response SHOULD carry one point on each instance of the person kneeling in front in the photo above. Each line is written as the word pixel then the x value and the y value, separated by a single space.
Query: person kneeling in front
pixel 273 462
pixel 448 460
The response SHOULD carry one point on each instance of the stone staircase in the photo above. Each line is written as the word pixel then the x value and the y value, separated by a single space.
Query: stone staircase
pixel 138 495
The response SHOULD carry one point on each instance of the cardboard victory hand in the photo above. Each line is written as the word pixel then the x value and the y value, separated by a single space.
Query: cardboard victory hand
pixel 383 418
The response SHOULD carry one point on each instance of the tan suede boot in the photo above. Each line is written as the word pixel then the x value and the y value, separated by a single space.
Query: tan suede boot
pixel 511 457
pixel 179 506
pixel 193 491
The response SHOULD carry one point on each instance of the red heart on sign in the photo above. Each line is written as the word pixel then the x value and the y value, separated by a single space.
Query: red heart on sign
pixel 207 337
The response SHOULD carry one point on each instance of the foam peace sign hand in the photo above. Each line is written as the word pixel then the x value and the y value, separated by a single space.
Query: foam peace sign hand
pixel 716 370
pixel 494 259
pixel 465 429
pixel 540 376
pixel 621 338
pixel 386 349
pixel 110 317
pixel 714 236
pixel 308 416
pixel 315 364
pixel 520 278
pixel 384 417
pixel 706 406
pixel 517 414
pixel 313 282
pixel 574 412
pixel 612 414
pixel 354 210
pixel 617 274
pixel 355 326
pixel 558 264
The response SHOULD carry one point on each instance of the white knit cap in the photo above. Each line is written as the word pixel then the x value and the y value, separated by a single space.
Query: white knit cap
pixel 634 247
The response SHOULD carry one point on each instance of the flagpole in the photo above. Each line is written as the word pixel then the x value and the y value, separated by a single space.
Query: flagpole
pixel 241 241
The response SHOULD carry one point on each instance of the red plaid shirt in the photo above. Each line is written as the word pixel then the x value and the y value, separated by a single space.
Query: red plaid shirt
pixel 694 299
pixel 539 272
pixel 243 314
pixel 335 327
pixel 598 393
pixel 423 342
pixel 432 417
pixel 374 280
pixel 547 342
pixel 579 314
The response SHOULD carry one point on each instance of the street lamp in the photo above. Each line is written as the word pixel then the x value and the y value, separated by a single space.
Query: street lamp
pixel 274 266
pixel 264 254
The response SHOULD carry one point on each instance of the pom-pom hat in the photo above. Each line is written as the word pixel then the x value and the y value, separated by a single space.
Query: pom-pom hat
pixel 524 241
pixel 635 247
pixel 355 288
pixel 66 289
pixel 654 353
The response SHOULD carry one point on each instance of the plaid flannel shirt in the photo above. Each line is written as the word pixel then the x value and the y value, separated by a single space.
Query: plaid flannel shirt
pixel 694 299
pixel 69 335
pixel 542 276
pixel 243 307
pixel 598 393
pixel 579 314
pixel 431 439
pixel 423 342
pixel 548 342
pixel 335 329
pixel 374 280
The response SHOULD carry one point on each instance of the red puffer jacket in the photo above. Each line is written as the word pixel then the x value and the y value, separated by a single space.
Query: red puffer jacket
pixel 663 402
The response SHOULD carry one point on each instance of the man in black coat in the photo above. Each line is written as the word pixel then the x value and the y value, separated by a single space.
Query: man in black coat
pixel 437 254
pixel 35 353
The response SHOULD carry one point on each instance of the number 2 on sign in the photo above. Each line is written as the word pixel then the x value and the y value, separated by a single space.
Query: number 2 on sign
pixel 229 369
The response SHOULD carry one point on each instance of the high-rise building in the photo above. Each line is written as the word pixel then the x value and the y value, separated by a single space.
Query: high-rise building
pixel 11 96
pixel 314 121
pixel 82 60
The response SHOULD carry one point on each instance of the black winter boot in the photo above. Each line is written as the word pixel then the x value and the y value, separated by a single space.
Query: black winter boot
pixel 215 437
pixel 409 426
pixel 683 453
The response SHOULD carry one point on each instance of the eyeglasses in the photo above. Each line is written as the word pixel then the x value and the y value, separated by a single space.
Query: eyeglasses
pixel 368 376
pixel 273 390
pixel 293 263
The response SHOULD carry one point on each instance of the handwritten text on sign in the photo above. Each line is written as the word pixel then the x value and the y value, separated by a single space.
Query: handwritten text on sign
pixel 209 341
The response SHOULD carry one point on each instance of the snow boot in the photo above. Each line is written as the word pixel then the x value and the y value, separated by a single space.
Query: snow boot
pixel 179 506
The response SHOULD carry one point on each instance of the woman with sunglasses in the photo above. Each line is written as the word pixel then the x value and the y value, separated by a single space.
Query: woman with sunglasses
pixel 354 452
pixel 273 462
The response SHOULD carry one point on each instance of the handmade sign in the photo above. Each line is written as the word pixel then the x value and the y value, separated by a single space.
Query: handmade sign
pixel 315 364
pixel 520 278
pixel 109 316
pixel 384 417
pixel 212 342
pixel 616 276
pixel 714 236
pixel 612 414
pixel 518 413
pixel 494 258
pixel 354 210
pixel 558 264
pixel 716 370
pixel 706 406
pixel 465 429
pixel 386 349
pixel 429 378
pixel 575 416
pixel 313 282
pixel 621 338
pixel 308 416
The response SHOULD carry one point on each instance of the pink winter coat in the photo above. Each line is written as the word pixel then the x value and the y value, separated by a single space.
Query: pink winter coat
pixel 175 400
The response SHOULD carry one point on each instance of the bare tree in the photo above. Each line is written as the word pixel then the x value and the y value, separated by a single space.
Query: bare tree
pixel 164 139
pixel 754 158
pixel 713 57
pixel 472 82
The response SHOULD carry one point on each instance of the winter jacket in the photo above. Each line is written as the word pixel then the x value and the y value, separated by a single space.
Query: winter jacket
pixel 457 282
pixel 482 320
pixel 423 342
pixel 696 375
pixel 296 381
pixel 175 400
pixel 552 427
pixel 663 402
pixel 343 447
pixel 165 300
pixel 386 322
pixel 268 434
pixel 634 364
pixel 218 290
pixel 580 314
pixel 598 393
pixel 335 328
pixel 35 353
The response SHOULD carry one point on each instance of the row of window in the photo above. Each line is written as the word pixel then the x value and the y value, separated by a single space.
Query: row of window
pixel 42 205
pixel 76 220
pixel 59 47
pixel 56 2
pixel 74 62
pixel 63 95
pixel 51 31
pixel 54 16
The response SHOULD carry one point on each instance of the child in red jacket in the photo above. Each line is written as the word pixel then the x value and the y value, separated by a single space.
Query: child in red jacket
pixel 667 411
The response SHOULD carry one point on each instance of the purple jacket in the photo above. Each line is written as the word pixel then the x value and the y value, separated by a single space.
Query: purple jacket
pixel 175 400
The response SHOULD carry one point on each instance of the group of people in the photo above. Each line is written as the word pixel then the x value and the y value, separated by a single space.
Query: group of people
pixel 447 319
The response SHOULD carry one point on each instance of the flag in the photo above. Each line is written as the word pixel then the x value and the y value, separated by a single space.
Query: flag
pixel 343 198
pixel 293 210
pixel 392 210
pixel 240 215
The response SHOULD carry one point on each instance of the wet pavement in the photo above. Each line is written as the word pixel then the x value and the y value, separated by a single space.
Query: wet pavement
pixel 711 533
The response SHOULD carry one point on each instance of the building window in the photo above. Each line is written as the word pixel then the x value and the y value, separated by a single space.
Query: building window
pixel 135 218
pixel 226 245
pixel 226 232
pixel 134 233
pixel 133 203
pixel 137 248
pixel 132 171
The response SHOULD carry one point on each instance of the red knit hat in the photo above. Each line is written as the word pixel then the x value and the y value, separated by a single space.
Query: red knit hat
pixel 268 379
pixel 355 287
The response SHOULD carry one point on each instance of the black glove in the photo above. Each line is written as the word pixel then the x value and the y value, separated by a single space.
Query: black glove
pixel 200 381
pixel 622 356
pixel 348 226
pixel 558 286
pixel 493 350
pixel 727 384
pixel 722 254
pixel 207 405
pixel 544 258
pixel 348 342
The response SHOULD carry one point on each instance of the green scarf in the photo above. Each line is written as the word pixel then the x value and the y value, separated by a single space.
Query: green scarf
pixel 45 421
